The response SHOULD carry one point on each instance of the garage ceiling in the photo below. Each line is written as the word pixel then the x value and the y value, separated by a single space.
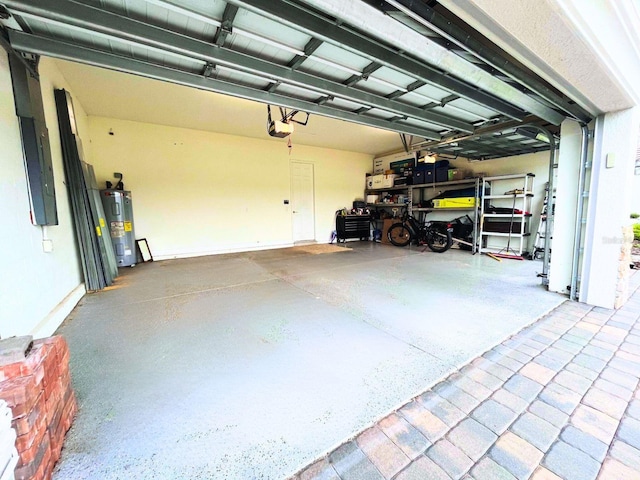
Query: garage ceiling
pixel 320 57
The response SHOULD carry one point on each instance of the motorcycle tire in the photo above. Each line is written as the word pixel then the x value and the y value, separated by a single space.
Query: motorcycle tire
pixel 439 239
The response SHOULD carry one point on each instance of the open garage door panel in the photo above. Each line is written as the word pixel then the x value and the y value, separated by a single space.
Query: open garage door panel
pixel 306 55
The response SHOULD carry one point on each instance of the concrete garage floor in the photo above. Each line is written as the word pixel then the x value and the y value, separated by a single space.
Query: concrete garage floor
pixel 252 365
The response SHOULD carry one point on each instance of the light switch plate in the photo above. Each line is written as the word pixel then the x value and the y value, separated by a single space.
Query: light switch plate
pixel 611 160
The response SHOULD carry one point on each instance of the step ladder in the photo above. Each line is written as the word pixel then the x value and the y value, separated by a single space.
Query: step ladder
pixel 538 248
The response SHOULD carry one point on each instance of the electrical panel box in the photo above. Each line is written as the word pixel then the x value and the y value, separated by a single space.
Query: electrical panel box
pixel 35 142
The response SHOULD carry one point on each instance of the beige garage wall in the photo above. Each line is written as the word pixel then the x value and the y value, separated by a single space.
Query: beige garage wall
pixel 38 289
pixel 198 193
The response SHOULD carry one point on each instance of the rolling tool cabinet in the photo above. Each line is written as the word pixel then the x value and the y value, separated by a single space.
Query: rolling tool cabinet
pixel 353 226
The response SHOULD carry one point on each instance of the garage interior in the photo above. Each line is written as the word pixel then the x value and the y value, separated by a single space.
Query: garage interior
pixel 233 354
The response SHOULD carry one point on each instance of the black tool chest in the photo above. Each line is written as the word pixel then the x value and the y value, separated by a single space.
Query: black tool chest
pixel 353 226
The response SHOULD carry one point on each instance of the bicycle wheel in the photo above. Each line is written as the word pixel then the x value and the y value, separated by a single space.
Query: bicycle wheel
pixel 399 235
pixel 439 238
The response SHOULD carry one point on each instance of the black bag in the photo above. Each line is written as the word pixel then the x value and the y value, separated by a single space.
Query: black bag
pixel 463 230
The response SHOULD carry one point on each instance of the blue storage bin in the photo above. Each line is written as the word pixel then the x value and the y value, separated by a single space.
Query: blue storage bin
pixel 421 177
pixel 442 174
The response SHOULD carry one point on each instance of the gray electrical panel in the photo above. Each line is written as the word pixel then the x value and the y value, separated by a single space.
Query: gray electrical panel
pixel 35 142
pixel 118 211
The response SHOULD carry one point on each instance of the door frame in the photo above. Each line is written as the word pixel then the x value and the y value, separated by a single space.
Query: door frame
pixel 313 195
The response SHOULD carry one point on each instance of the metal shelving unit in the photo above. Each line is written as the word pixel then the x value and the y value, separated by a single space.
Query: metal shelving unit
pixel 458 209
pixel 386 204
pixel 435 188
pixel 424 194
pixel 388 189
pixel 401 189
pixel 374 191
pixel 518 223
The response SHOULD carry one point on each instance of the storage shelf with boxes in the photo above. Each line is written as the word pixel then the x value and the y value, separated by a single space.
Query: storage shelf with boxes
pixel 413 169
pixel 425 185
pixel 377 182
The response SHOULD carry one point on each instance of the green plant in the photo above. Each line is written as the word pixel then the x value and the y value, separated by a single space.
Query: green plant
pixel 636 232
pixel 635 215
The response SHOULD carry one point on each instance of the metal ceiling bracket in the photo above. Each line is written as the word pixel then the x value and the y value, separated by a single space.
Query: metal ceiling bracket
pixel 226 27
pixel 366 72
pixel 396 94
pixel 323 100
pixel 273 87
pixel 369 69
pixel 415 85
pixel 352 80
pixel 448 99
pixel 361 110
pixel 209 69
pixel 311 46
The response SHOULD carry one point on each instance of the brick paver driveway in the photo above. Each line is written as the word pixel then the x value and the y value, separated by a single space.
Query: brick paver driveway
pixel 558 400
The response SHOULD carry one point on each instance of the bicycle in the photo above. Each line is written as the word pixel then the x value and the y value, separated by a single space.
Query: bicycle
pixel 435 234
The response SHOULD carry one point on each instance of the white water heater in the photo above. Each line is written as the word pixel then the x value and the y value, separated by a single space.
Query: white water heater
pixel 118 211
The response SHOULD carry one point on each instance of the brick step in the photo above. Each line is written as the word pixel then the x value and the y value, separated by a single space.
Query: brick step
pixel 38 391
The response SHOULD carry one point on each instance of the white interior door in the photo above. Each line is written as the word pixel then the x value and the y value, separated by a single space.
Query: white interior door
pixel 302 202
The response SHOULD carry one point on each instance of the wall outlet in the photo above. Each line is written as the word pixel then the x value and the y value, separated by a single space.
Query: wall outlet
pixel 47 246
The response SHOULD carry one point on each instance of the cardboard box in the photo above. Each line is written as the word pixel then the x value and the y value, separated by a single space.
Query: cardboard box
pixel 385 228
pixel 402 166
pixel 455 174
pixel 387 181
pixel 378 165
pixel 375 181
